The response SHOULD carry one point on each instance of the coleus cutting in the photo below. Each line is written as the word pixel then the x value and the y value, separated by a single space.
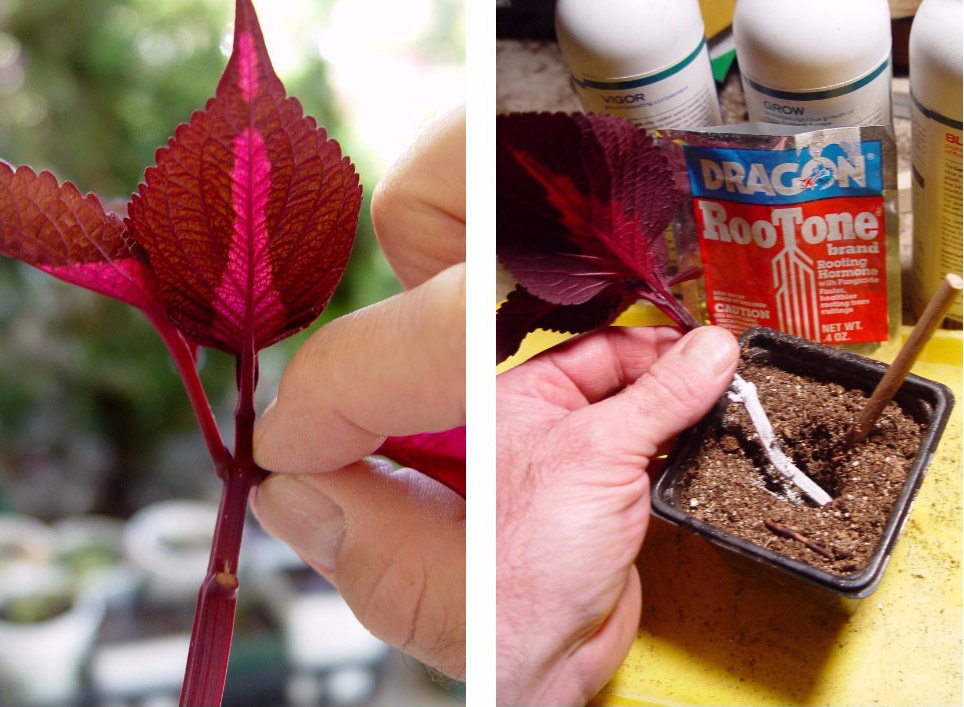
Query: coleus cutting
pixel 584 201
pixel 235 240
pixel 583 206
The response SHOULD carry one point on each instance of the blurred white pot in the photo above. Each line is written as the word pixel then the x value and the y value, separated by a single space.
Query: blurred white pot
pixel 40 660
pixel 25 539
pixel 170 542
pixel 92 548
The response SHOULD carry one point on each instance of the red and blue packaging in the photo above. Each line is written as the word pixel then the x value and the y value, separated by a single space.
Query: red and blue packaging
pixel 794 230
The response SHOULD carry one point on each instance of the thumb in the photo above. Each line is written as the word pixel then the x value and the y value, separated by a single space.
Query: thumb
pixel 392 543
pixel 394 368
pixel 676 391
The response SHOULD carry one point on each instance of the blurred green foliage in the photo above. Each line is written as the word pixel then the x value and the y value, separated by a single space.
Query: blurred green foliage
pixel 92 414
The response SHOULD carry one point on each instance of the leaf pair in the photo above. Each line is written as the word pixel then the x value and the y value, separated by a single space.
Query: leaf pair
pixel 583 204
pixel 235 240
pixel 239 234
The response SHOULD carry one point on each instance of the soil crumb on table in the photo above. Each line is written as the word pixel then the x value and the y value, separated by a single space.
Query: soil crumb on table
pixel 730 484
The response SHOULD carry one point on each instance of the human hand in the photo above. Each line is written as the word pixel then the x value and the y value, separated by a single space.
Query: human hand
pixel 391 542
pixel 577 427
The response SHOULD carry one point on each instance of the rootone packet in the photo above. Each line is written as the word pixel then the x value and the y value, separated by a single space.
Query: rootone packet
pixel 795 229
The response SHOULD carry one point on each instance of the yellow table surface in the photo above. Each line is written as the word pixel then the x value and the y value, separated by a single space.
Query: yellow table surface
pixel 710 635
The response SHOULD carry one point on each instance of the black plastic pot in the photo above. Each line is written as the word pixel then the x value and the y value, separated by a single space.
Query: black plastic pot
pixel 928 402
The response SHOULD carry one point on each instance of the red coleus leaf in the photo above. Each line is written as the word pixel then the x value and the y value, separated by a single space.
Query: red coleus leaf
pixel 583 205
pixel 54 228
pixel 440 455
pixel 523 312
pixel 250 213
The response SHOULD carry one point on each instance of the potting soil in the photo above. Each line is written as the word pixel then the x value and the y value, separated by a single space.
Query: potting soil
pixel 729 484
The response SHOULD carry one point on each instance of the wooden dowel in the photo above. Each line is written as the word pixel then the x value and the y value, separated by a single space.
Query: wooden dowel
pixel 887 387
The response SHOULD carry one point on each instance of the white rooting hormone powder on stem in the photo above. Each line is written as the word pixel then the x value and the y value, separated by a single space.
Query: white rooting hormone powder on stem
pixel 742 391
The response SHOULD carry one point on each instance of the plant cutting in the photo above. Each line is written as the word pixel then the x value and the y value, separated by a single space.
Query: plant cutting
pixel 583 204
pixel 235 240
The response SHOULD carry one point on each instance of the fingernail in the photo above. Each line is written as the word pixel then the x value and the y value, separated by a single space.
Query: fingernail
pixel 709 349
pixel 291 509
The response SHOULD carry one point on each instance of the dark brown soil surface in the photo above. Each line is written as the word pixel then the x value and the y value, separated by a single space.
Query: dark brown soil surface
pixel 730 485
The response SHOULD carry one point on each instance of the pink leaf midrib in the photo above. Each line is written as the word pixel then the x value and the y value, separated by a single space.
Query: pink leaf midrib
pixel 248 83
pixel 248 274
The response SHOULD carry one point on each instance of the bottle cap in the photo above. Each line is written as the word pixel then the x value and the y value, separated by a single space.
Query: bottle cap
pixel 937 55
pixel 813 45
pixel 614 39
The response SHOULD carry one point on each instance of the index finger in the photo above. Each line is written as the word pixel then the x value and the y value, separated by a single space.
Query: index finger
pixel 591 367
pixel 418 207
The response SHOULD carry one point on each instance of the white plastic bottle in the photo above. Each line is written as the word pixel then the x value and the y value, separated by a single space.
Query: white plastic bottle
pixel 644 60
pixel 936 76
pixel 815 62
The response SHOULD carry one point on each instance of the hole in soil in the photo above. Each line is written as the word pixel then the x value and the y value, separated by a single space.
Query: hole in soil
pixel 777 483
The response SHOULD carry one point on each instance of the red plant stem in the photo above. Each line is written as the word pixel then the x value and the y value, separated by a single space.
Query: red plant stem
pixel 244 414
pixel 187 369
pixel 207 660
pixel 670 306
